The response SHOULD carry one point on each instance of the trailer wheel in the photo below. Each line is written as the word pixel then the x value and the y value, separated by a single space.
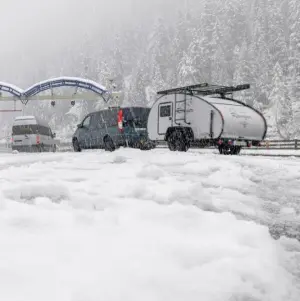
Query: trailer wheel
pixel 178 142
pixel 171 142
pixel 229 150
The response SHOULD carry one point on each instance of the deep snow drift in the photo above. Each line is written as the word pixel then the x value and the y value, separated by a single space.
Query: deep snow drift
pixel 157 225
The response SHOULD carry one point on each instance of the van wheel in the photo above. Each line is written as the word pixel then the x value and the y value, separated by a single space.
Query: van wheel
pixel 178 142
pixel 144 147
pixel 54 148
pixel 224 150
pixel 109 144
pixel 76 146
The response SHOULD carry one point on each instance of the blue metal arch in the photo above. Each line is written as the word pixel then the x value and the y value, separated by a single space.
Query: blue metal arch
pixel 64 82
pixel 13 90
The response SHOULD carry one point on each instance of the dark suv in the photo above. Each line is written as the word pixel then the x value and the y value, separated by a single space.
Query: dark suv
pixel 113 127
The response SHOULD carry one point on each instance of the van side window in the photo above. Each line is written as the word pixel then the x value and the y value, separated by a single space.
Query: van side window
pixel 165 111
pixel 110 118
pixel 86 122
pixel 94 121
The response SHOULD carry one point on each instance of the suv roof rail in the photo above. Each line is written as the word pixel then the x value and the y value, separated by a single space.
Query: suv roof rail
pixel 205 89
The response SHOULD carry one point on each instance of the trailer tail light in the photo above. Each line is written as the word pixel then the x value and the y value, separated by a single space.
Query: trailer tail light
pixel 120 120
pixel 38 139
pixel 230 142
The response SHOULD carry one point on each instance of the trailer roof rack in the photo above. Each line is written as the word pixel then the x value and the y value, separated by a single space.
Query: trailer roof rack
pixel 205 89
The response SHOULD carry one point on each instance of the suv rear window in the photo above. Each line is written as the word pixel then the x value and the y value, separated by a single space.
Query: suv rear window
pixel 137 117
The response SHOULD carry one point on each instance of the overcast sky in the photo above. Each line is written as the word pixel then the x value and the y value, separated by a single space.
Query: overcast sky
pixel 33 31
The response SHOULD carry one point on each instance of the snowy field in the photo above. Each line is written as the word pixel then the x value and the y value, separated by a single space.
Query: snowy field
pixel 148 226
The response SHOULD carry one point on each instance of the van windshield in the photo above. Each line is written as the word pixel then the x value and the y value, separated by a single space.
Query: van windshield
pixel 136 117
pixel 25 129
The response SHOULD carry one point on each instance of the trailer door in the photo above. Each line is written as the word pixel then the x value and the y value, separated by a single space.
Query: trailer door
pixel 165 117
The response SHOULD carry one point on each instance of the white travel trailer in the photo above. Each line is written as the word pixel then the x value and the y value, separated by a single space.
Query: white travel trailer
pixel 205 115
pixel 29 134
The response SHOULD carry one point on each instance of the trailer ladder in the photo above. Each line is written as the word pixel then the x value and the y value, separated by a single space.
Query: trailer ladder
pixel 181 110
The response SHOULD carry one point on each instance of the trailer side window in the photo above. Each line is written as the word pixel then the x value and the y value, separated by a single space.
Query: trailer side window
pixel 165 111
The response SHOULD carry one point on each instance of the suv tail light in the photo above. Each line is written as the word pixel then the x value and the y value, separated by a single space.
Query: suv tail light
pixel 120 120
pixel 38 139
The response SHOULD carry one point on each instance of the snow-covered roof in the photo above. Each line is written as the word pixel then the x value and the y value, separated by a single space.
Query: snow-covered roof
pixel 24 117
pixel 65 81
pixel 11 89
pixel 30 118
pixel 217 100
pixel 57 82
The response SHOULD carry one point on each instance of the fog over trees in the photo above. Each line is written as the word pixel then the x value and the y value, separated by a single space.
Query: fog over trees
pixel 151 45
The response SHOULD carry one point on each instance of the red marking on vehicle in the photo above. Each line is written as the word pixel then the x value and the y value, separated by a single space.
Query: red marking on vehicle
pixel 120 120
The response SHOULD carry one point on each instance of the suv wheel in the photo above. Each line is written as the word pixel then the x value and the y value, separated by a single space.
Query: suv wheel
pixel 76 146
pixel 109 144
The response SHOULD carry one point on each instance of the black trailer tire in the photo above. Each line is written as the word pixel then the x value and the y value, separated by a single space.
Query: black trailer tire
pixel 224 150
pixel 183 144
pixel 229 150
pixel 109 144
pixel 171 141
pixel 178 142
pixel 76 146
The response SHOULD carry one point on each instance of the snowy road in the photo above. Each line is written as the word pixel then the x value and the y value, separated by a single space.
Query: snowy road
pixel 141 226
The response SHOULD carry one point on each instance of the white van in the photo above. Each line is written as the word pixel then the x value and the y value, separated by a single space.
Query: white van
pixel 204 114
pixel 29 134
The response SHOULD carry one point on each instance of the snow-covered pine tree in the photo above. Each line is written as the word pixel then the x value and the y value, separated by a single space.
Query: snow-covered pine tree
pixel 243 74
pixel 282 109
pixel 159 45
pixel 179 45
pixel 186 71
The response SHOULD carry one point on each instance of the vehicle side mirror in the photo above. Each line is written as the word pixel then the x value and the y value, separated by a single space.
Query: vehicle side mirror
pixel 53 135
pixel 79 125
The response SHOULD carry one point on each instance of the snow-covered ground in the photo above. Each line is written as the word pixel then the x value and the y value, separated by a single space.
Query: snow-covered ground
pixel 153 225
